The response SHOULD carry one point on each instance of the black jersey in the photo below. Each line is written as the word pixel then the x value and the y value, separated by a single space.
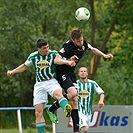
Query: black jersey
pixel 68 50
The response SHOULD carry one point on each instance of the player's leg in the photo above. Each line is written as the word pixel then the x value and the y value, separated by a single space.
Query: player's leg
pixel 53 108
pixel 68 84
pixel 72 95
pixel 83 122
pixel 40 122
pixel 56 105
pixel 62 101
pixel 84 129
pixel 60 77
pixel 40 98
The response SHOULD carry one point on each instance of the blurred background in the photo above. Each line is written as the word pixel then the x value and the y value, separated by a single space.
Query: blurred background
pixel 22 23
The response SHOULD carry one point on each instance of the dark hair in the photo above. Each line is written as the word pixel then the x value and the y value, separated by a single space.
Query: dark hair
pixel 41 42
pixel 75 34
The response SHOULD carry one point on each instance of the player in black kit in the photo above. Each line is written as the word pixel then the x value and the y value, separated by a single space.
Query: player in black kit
pixel 72 50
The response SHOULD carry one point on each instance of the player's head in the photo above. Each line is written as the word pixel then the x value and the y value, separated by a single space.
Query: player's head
pixel 77 37
pixel 83 72
pixel 42 46
pixel 41 42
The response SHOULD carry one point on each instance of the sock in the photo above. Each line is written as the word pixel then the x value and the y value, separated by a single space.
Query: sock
pixel 82 132
pixel 54 106
pixel 75 118
pixel 41 127
pixel 62 102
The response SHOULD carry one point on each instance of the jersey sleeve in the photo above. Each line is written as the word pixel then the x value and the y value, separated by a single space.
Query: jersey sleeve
pixel 98 89
pixel 54 53
pixel 87 45
pixel 28 62
pixel 64 50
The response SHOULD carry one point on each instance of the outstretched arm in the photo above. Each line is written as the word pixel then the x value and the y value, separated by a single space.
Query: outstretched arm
pixel 19 69
pixel 101 101
pixel 100 53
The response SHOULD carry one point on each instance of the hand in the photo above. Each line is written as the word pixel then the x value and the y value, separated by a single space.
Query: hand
pixel 71 63
pixel 100 104
pixel 109 56
pixel 9 72
pixel 74 58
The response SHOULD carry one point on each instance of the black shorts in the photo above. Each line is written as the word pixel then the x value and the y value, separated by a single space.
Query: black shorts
pixel 66 80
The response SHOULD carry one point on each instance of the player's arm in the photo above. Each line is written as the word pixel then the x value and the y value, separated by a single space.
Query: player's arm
pixel 19 69
pixel 60 61
pixel 100 53
pixel 101 101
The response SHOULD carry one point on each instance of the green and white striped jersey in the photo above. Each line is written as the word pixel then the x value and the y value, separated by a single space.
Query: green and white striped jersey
pixel 85 95
pixel 44 65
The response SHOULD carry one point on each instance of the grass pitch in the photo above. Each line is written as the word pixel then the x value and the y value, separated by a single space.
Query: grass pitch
pixel 29 130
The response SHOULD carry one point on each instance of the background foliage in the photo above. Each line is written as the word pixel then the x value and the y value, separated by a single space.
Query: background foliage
pixel 109 29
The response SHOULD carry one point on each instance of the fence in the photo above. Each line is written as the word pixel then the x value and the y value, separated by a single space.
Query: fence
pixel 18 109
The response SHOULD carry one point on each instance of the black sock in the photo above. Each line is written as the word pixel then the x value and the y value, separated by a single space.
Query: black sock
pixel 54 106
pixel 75 118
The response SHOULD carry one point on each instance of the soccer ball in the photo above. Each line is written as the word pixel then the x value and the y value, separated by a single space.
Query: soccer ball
pixel 82 13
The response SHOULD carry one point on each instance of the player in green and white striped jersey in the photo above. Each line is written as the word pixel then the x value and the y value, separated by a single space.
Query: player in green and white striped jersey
pixel 44 65
pixel 46 83
pixel 86 89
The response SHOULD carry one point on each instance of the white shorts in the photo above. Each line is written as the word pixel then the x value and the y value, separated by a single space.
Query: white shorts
pixel 42 89
pixel 84 120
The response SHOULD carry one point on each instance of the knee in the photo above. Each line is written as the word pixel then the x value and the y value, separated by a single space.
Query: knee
pixel 58 94
pixel 75 100
pixel 38 113
pixel 84 129
pixel 72 95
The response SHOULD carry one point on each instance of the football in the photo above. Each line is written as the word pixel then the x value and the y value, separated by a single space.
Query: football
pixel 82 13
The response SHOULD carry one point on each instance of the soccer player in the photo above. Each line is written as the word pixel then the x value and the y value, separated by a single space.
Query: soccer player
pixel 46 83
pixel 73 49
pixel 86 89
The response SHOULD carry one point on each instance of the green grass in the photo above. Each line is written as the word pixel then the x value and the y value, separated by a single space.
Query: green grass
pixel 29 130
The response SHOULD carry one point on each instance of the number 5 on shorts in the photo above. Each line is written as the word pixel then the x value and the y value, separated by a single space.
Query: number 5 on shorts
pixel 63 77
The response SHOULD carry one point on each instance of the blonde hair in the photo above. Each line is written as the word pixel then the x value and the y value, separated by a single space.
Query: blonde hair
pixel 84 67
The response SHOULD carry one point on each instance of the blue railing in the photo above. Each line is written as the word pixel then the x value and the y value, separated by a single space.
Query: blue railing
pixel 18 109
pixel 21 108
